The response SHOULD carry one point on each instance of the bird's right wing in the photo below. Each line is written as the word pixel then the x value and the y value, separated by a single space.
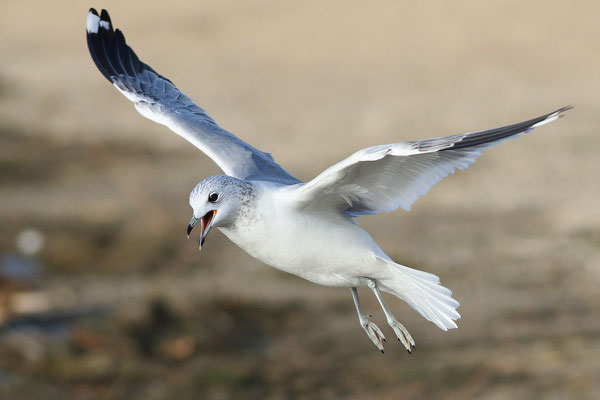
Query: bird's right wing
pixel 157 98
pixel 383 178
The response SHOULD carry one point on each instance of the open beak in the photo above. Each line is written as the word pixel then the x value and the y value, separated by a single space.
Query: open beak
pixel 206 223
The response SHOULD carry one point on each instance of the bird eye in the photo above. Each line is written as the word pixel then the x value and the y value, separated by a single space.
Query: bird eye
pixel 213 197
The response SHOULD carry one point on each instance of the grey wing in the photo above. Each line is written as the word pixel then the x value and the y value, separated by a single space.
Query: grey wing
pixel 157 98
pixel 383 178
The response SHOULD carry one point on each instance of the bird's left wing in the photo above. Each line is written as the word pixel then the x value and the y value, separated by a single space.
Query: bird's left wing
pixel 157 98
pixel 383 178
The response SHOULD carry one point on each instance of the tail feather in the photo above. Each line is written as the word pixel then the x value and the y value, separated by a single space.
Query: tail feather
pixel 423 292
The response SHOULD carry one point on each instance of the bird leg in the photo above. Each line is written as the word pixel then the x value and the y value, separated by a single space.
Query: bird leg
pixel 398 328
pixel 372 330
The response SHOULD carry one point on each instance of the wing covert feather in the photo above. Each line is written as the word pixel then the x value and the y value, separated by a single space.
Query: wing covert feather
pixel 158 99
pixel 385 177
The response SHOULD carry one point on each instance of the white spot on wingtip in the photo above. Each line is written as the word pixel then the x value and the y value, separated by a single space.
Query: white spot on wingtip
pixel 552 117
pixel 105 25
pixel 92 23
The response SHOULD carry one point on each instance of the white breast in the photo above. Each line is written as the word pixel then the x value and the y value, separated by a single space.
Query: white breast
pixel 327 249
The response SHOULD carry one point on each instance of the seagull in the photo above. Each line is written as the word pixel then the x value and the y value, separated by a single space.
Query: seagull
pixel 306 229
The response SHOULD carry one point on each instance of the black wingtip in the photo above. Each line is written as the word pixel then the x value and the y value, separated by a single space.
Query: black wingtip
pixel 99 38
pixel 492 135
pixel 104 16
pixel 565 108
pixel 110 52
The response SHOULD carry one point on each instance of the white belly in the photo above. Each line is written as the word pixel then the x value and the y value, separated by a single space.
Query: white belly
pixel 330 251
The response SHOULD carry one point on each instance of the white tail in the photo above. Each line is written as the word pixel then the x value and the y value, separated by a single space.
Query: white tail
pixel 423 292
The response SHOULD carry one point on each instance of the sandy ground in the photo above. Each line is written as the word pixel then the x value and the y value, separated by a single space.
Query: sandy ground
pixel 120 305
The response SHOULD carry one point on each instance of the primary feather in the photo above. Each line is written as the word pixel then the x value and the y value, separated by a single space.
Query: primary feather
pixel 385 177
pixel 158 99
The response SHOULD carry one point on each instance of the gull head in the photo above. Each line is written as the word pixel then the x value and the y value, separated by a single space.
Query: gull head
pixel 216 202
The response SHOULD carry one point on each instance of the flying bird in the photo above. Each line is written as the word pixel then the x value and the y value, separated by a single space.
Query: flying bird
pixel 306 229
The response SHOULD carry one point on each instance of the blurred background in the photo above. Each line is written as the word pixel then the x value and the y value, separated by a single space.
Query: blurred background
pixel 102 296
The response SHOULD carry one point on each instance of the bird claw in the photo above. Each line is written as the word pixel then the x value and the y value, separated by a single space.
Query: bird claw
pixel 402 335
pixel 374 333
